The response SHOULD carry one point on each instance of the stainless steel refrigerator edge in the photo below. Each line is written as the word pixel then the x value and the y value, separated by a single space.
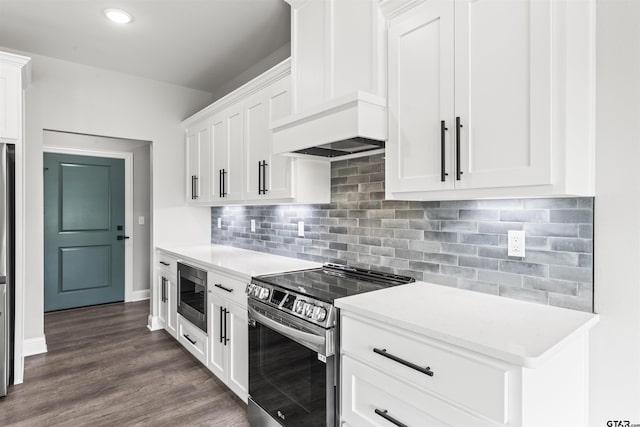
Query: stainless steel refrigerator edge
pixel 7 262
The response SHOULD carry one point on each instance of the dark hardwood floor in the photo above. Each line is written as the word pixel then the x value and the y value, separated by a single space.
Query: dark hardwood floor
pixel 105 368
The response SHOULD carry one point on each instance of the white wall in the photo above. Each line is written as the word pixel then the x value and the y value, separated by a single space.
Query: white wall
pixel 141 150
pixel 615 342
pixel 76 98
pixel 271 60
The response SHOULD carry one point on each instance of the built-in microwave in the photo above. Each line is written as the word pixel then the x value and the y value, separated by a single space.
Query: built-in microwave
pixel 192 295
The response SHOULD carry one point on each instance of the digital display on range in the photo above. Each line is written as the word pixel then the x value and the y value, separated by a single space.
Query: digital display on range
pixel 277 296
pixel 288 303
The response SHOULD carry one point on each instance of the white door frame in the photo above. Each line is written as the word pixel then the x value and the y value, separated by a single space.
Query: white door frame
pixel 129 294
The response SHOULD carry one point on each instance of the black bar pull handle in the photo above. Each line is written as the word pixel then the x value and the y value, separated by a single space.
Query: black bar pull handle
pixel 443 172
pixel 224 288
pixel 458 171
pixel 224 183
pixel 196 186
pixel 383 352
pixel 385 414
pixel 162 297
pixel 220 183
pixel 122 237
pixel 221 338
pixel 165 263
pixel 260 177
pixel 189 339
pixel 264 177
pixel 226 337
pixel 193 187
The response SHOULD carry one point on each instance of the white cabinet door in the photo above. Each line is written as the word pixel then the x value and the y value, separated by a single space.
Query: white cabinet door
pixel 217 348
pixel 162 292
pixel 171 322
pixel 10 94
pixel 421 93
pixel 238 350
pixel 199 164
pixel 228 154
pixel 268 176
pixel 278 99
pixel 503 92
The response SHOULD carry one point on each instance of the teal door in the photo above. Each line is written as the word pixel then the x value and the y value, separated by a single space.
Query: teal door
pixel 83 217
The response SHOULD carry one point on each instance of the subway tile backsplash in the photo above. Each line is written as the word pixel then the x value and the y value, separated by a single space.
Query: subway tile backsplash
pixel 453 243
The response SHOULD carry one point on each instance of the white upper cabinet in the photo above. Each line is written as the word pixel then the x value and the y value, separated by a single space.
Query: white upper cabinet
pixel 489 98
pixel 230 156
pixel 227 132
pixel 503 92
pixel 421 99
pixel 11 97
pixel 268 174
pixel 199 163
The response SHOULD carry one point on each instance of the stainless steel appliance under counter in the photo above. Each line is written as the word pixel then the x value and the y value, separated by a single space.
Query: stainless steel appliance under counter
pixel 293 368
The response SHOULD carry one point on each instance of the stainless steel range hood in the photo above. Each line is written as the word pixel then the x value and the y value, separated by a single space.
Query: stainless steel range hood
pixel 354 125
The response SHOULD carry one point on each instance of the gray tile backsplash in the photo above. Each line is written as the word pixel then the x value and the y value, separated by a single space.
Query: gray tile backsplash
pixel 453 243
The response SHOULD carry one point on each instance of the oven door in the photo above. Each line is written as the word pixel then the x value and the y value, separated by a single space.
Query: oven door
pixel 291 370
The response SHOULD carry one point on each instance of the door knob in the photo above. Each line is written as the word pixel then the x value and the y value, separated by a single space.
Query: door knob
pixel 122 237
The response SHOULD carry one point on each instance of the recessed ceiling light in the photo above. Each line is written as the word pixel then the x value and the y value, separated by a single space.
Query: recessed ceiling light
pixel 118 16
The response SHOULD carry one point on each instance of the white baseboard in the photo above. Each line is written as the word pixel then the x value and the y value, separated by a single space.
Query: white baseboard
pixel 154 323
pixel 138 296
pixel 33 346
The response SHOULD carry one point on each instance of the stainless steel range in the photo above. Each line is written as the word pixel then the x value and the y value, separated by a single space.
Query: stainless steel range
pixel 293 341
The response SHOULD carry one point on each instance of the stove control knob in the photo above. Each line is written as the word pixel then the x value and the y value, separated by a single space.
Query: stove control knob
pixel 264 293
pixel 298 306
pixel 319 314
pixel 250 287
pixel 308 310
pixel 256 290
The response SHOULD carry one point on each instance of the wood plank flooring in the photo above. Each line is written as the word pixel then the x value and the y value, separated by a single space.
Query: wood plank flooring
pixel 105 368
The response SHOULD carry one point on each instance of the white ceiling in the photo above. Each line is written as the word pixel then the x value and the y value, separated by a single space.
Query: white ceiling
pixel 199 44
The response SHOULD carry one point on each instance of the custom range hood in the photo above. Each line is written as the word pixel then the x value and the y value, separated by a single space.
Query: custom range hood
pixel 352 125
pixel 338 85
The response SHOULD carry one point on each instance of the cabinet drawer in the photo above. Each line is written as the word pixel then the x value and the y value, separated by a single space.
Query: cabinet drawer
pixel 227 287
pixel 193 339
pixel 365 390
pixel 468 381
pixel 168 263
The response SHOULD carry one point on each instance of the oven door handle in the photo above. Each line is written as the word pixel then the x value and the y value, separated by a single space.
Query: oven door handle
pixel 312 341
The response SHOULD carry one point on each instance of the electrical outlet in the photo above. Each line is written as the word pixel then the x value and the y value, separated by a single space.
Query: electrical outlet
pixel 253 225
pixel 516 243
pixel 219 222
pixel 300 228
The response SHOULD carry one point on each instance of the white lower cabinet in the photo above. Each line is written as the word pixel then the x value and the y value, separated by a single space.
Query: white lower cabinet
pixel 228 333
pixel 390 375
pixel 378 399
pixel 166 294
pixel 193 339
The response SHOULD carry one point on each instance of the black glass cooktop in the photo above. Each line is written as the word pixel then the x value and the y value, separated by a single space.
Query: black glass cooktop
pixel 334 281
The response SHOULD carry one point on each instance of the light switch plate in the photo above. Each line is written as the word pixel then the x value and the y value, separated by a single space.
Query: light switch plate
pixel 516 243
pixel 219 222
pixel 300 228
pixel 140 220
pixel 253 225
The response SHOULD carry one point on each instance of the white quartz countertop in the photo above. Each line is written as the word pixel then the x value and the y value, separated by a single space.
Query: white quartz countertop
pixel 518 332
pixel 237 261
